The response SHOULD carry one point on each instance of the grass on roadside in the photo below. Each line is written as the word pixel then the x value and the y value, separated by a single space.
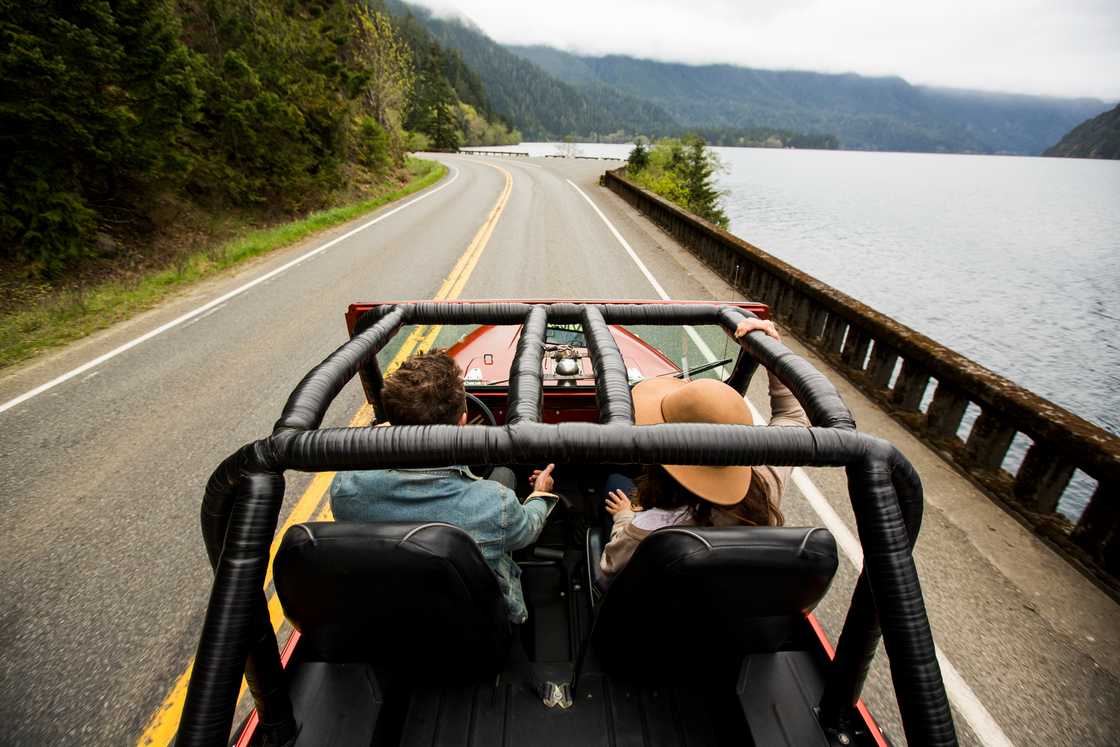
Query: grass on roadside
pixel 73 315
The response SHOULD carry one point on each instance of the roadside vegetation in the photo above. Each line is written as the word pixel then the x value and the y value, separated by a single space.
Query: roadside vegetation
pixel 138 138
pixel 55 315
pixel 681 171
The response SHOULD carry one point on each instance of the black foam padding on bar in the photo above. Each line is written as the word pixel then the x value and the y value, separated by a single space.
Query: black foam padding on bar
pixel 612 386
pixel 309 401
pixel 526 389
pixel 745 365
pixel 565 443
pixel 813 390
pixel 235 619
pixel 742 373
pixel 889 565
pixel 559 312
pixel 860 636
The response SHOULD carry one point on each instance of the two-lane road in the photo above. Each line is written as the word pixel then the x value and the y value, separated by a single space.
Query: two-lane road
pixel 106 579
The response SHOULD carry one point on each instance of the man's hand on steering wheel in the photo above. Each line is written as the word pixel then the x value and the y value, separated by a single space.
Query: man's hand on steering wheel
pixel 542 479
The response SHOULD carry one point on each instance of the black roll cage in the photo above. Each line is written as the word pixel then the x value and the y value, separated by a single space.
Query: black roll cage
pixel 244 495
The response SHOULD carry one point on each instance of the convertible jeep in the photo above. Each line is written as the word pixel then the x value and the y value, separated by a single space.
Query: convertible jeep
pixel 400 634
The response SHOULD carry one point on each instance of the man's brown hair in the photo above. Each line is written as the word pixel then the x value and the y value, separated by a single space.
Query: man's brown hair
pixel 427 389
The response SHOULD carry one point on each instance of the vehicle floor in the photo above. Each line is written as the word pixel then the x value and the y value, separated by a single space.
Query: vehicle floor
pixel 605 712
pixel 345 704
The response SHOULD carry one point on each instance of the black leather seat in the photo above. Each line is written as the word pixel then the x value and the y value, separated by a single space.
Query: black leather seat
pixel 411 596
pixel 701 598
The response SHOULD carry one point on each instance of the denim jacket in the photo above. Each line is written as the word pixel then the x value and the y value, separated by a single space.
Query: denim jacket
pixel 488 511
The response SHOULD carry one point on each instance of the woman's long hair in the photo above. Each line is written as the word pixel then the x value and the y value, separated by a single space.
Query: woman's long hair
pixel 658 489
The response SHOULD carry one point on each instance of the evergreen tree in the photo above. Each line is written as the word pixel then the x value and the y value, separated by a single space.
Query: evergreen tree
pixel 433 109
pixel 444 130
pixel 696 166
pixel 682 172
pixel 639 157
pixel 95 103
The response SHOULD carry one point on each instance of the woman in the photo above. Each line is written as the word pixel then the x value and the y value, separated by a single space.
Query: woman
pixel 695 495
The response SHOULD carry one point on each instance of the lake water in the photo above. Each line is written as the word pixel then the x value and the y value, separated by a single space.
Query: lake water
pixel 1013 262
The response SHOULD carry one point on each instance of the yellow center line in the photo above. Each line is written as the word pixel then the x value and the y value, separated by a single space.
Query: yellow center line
pixel 164 723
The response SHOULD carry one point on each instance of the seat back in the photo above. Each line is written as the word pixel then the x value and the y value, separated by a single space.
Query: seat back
pixel 415 596
pixel 700 598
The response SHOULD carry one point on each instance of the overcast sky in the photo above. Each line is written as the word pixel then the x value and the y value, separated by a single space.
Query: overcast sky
pixel 1055 47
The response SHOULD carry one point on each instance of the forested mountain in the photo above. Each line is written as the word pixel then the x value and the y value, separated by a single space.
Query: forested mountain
pixel 113 114
pixel 532 100
pixel 448 106
pixel 1097 138
pixel 863 112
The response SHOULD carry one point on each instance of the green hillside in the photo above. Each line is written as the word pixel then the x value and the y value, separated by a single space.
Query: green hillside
pixel 535 102
pixel 863 112
pixel 132 131
pixel 1097 138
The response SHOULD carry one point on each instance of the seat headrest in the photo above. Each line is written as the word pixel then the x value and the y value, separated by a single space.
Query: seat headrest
pixel 742 588
pixel 390 593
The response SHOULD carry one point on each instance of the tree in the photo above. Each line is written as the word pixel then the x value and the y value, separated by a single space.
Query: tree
pixel 444 129
pixel 383 70
pixel 682 172
pixel 696 167
pixel 639 156
pixel 94 107
pixel 434 109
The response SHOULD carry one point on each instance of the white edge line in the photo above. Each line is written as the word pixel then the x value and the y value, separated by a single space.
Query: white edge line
pixel 217 301
pixel 962 696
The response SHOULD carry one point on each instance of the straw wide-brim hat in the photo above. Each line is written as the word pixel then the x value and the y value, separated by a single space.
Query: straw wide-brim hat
pixel 672 400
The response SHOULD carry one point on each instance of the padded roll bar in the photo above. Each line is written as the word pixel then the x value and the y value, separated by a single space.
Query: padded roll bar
pixel 612 387
pixel 244 495
pixel 308 403
pixel 559 312
pixel 813 390
pixel 526 390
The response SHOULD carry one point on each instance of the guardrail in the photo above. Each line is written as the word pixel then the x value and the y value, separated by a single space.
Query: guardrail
pixel 584 158
pixel 522 153
pixel 897 367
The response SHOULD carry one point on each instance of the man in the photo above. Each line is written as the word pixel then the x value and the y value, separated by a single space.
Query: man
pixel 427 389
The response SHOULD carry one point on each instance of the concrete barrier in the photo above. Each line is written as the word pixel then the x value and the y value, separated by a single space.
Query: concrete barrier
pixel 929 388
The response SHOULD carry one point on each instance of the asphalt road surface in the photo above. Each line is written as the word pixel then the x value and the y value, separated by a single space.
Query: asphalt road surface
pixel 105 579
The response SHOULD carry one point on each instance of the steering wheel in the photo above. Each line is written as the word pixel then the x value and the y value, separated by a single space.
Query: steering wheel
pixel 482 470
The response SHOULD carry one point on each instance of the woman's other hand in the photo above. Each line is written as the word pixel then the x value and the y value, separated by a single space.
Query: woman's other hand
pixel 757 325
pixel 617 502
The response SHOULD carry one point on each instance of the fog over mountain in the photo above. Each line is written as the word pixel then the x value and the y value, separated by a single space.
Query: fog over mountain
pixel 1042 47
pixel 549 93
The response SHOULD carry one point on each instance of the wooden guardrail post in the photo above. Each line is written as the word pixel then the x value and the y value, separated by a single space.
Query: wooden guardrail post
pixel 910 387
pixel 1042 478
pixel 834 330
pixel 1098 529
pixel 855 348
pixel 946 410
pixel 989 441
pixel 881 367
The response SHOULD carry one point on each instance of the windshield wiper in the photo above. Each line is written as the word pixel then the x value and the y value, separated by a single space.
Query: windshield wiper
pixel 701 369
